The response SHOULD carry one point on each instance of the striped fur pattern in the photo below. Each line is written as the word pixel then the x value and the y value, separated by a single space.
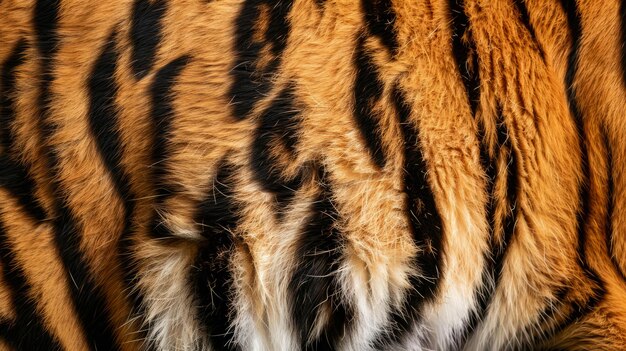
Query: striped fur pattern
pixel 312 175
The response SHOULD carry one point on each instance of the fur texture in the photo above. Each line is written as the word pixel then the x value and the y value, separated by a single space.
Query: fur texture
pixel 312 175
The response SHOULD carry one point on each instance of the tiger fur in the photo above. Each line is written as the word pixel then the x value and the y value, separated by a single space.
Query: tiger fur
pixel 313 175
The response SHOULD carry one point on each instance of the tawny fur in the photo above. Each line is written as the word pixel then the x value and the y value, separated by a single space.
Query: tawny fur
pixel 513 109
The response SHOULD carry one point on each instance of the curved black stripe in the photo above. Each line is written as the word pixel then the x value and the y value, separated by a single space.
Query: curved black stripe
pixel 425 226
pixel 161 113
pixel 211 276
pixel 103 122
pixel 14 175
pixel 494 258
pixel 520 5
pixel 88 299
pixel 610 207
pixel 250 81
pixel 368 91
pixel 28 332
pixel 579 309
pixel 145 34
pixel 380 18
pixel 314 283
pixel 15 178
pixel 278 124
pixel 464 52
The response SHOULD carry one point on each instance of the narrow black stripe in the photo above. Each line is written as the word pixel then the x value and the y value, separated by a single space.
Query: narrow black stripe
pixel 380 18
pixel 610 208
pixel 425 226
pixel 14 175
pixel 28 331
pixel 622 17
pixel 494 258
pixel 250 81
pixel 161 114
pixel 314 283
pixel 279 124
pixel 520 5
pixel 217 216
pixel 368 91
pixel 103 123
pixel 464 52
pixel 146 34
pixel 579 309
pixel 103 114
pixel 87 299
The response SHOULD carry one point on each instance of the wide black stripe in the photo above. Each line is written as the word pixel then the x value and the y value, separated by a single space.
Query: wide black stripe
pixel 103 123
pixel 279 124
pixel 7 334
pixel 28 331
pixel 87 298
pixel 14 175
pixel 520 5
pixel 146 34
pixel 161 115
pixel 380 18
pixel 622 17
pixel 250 81
pixel 425 226
pixel 314 282
pixel 217 217
pixel 368 91
pixel 464 52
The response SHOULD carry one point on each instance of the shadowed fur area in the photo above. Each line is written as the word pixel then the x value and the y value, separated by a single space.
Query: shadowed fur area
pixel 195 175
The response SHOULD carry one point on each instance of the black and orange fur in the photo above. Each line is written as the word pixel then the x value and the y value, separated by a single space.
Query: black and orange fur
pixel 313 175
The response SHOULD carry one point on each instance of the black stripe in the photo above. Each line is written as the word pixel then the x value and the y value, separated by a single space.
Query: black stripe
pixel 464 52
pixel 161 115
pixel 368 91
pixel 580 309
pixel 610 207
pixel 425 226
pixel 622 22
pixel 250 81
pixel 103 115
pixel 494 258
pixel 87 299
pixel 279 124
pixel 14 175
pixel 314 283
pixel 103 123
pixel 7 334
pixel 28 332
pixel 520 5
pixel 380 18
pixel 146 34
pixel 217 216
